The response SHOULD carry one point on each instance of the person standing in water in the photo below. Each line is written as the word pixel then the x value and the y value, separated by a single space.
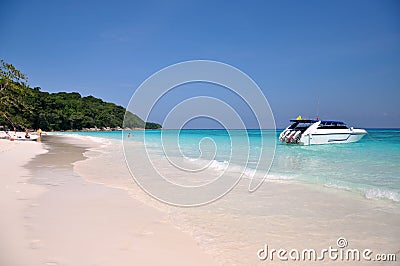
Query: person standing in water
pixel 39 132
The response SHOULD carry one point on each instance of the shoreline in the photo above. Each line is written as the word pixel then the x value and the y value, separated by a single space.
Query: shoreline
pixel 71 221
pixel 94 183
pixel 367 191
pixel 282 213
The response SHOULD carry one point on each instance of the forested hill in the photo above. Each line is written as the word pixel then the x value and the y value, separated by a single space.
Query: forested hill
pixel 63 111
pixel 25 107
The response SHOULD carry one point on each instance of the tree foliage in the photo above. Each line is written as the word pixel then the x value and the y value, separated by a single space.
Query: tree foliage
pixel 13 92
pixel 24 107
pixel 150 125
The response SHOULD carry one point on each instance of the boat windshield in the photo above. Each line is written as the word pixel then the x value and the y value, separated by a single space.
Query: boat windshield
pixel 302 126
pixel 332 125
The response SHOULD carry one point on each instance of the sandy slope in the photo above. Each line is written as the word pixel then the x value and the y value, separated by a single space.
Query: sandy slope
pixel 58 218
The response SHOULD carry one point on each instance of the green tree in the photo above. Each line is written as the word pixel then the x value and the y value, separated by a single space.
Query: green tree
pixel 13 95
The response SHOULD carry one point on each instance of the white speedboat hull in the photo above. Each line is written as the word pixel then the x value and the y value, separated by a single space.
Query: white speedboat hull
pixel 309 132
pixel 331 138
pixel 31 138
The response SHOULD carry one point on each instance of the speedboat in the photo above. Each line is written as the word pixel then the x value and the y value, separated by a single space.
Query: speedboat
pixel 307 132
pixel 19 136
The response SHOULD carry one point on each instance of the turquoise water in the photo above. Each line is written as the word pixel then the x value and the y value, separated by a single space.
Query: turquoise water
pixel 370 167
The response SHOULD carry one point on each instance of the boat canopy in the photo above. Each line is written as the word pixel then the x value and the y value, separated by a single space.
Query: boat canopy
pixel 314 121
pixel 303 120
pixel 332 122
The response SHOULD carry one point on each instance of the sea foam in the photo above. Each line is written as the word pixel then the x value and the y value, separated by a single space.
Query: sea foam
pixel 376 193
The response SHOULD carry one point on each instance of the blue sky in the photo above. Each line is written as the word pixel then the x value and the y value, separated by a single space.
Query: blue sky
pixel 343 54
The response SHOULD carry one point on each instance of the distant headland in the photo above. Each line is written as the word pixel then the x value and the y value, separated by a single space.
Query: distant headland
pixel 24 107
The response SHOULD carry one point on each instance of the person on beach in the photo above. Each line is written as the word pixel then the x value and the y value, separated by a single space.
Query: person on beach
pixel 27 134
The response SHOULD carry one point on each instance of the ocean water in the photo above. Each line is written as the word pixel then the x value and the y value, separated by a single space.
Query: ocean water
pixel 370 167
pixel 311 196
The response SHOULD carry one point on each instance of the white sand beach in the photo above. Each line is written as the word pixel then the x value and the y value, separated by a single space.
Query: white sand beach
pixel 71 201
pixel 16 196
pixel 51 216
